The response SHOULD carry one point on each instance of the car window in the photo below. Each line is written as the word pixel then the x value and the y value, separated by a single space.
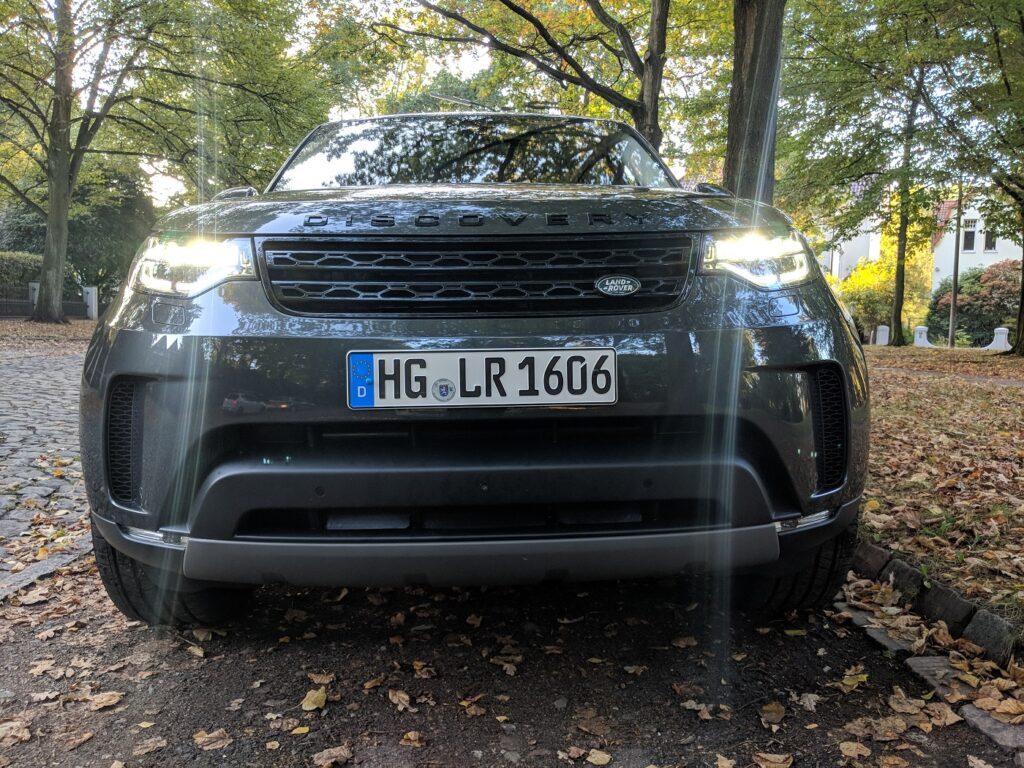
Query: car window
pixel 472 150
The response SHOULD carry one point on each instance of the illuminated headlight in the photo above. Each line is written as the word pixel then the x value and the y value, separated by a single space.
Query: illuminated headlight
pixel 765 259
pixel 189 267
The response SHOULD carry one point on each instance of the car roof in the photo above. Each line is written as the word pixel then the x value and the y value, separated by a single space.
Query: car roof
pixel 477 113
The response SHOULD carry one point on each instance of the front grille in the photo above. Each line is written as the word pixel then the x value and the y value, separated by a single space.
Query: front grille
pixel 829 416
pixel 445 276
pixel 124 441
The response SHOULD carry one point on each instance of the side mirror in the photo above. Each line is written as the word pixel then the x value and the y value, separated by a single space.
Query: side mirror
pixel 235 193
pixel 707 188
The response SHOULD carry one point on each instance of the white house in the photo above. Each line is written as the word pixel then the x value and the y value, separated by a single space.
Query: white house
pixel 978 246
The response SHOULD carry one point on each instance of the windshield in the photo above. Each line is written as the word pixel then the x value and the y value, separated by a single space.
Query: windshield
pixel 472 149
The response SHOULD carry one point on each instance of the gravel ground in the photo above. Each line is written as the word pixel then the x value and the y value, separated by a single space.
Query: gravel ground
pixel 632 674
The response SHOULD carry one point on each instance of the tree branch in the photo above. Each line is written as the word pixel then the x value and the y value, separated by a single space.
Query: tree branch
pixel 620 31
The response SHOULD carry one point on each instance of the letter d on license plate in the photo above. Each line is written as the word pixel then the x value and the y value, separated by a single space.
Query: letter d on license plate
pixel 465 378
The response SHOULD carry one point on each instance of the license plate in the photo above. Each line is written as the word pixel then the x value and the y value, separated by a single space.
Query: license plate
pixel 464 378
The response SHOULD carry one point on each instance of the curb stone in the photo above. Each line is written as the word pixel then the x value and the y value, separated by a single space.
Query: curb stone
pixel 940 603
pixel 993 633
pixel 36 571
pixel 869 559
pixel 904 577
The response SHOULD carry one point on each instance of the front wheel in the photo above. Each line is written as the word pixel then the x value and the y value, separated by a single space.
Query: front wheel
pixel 812 585
pixel 144 595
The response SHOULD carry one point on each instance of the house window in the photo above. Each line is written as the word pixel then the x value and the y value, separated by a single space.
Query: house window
pixel 970 225
pixel 990 240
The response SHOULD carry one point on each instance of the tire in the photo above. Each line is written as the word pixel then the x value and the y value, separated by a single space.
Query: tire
pixel 141 594
pixel 813 585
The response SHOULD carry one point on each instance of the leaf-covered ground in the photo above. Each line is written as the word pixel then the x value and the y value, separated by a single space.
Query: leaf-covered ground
pixel 946 485
pixel 17 334
pixel 964 362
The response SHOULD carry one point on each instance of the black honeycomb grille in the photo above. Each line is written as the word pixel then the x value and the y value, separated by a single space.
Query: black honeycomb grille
pixel 124 441
pixel 546 275
pixel 830 433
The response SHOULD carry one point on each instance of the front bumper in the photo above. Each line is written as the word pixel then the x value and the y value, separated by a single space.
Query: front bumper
pixel 714 439
pixel 477 562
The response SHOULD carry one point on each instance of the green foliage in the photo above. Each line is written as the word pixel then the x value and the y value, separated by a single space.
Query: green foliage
pixel 111 215
pixel 18 268
pixel 987 299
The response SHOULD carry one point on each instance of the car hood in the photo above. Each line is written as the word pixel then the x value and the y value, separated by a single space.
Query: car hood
pixel 479 209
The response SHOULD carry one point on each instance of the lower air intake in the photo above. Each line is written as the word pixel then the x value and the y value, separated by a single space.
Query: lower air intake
pixel 124 441
pixel 830 435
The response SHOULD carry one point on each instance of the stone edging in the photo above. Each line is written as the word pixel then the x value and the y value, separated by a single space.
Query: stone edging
pixel 964 619
pixel 14 582
pixel 937 602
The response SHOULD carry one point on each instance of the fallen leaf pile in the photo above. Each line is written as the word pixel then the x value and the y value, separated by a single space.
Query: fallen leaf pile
pixel 946 484
pixel 971 677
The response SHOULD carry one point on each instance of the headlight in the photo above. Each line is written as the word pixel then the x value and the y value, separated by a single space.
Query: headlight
pixel 189 267
pixel 765 259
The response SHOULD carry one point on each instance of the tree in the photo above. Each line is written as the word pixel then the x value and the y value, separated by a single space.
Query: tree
pixel 753 98
pixel 135 78
pixel 111 213
pixel 856 138
pixel 976 96
pixel 592 49
pixel 870 289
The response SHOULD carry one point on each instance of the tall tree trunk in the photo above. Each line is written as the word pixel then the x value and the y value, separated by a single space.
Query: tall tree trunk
pixel 956 263
pixel 753 99
pixel 900 283
pixel 646 118
pixel 1018 344
pixel 49 307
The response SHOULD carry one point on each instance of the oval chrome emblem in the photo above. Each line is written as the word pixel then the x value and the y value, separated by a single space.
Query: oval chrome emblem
pixel 617 285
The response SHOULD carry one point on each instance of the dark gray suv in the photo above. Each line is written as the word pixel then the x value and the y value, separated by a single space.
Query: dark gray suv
pixel 468 349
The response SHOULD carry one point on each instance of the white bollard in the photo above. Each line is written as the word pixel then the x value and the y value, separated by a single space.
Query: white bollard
pixel 1001 342
pixel 33 293
pixel 90 295
pixel 921 337
pixel 882 335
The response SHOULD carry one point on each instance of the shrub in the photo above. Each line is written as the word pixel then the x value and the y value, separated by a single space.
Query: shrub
pixel 19 268
pixel 987 299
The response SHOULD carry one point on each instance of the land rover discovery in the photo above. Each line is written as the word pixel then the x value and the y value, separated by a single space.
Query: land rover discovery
pixel 468 349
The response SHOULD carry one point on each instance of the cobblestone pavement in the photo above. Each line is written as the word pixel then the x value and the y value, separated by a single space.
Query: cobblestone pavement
pixel 42 495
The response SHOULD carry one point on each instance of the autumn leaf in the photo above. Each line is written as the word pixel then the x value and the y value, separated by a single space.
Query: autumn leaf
pixel 724 762
pixel 105 700
pixel 320 678
pixel 315 699
pixel 373 683
pixel 772 713
pixel 332 757
pixel 149 745
pixel 413 739
pixel 218 739
pixel 685 642
pixel 13 732
pixel 598 757
pixel 401 700
pixel 769 760
pixel 854 749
